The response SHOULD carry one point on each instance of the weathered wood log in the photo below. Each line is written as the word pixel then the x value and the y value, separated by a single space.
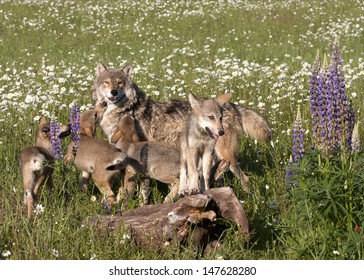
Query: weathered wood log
pixel 195 218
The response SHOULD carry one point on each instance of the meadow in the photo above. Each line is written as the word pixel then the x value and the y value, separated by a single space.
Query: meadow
pixel 261 51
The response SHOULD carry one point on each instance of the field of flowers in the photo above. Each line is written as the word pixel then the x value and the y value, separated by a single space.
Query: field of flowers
pixel 264 52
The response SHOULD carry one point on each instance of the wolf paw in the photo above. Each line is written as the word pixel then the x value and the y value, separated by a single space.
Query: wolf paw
pixel 194 191
pixel 189 192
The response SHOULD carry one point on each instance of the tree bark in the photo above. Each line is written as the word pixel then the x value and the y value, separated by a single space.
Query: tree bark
pixel 198 218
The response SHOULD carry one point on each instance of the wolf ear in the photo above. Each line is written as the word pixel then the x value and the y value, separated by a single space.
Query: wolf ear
pixel 195 104
pixel 88 131
pixel 100 68
pixel 222 99
pixel 115 137
pixel 43 121
pixel 127 69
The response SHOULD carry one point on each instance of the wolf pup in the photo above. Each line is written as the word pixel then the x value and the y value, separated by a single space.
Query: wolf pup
pixel 164 121
pixel 153 160
pixel 36 163
pixel 93 156
pixel 204 127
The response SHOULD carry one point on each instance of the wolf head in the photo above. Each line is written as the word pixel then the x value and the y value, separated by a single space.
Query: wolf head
pixel 208 113
pixel 90 118
pixel 114 86
pixel 126 132
pixel 44 133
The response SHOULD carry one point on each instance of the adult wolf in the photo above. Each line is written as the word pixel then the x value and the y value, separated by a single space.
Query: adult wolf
pixel 165 121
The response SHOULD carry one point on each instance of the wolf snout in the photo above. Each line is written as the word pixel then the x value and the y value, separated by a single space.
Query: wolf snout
pixel 221 132
pixel 114 92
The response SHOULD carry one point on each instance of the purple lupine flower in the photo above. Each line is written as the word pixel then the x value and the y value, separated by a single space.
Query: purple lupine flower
pixel 322 108
pixel 345 116
pixel 333 116
pixel 334 91
pixel 55 140
pixel 75 127
pixel 291 178
pixel 314 98
pixel 298 150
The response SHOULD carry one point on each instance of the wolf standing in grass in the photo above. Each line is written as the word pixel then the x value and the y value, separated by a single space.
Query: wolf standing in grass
pixel 198 141
pixel 165 121
pixel 36 163
pixel 93 156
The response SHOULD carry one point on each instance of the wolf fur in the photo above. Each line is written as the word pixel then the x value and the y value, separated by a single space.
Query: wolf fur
pixel 198 140
pixel 165 121
pixel 154 160
pixel 93 156
pixel 36 164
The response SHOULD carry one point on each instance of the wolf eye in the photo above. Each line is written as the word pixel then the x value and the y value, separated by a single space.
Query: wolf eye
pixel 120 83
pixel 211 117
pixel 106 83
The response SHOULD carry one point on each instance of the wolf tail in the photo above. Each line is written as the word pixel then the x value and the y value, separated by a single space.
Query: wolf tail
pixel 116 166
pixel 127 162
pixel 255 125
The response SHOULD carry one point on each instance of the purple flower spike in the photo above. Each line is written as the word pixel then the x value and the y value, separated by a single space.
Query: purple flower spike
pixel 332 114
pixel 298 148
pixel 291 175
pixel 298 141
pixel 55 140
pixel 75 126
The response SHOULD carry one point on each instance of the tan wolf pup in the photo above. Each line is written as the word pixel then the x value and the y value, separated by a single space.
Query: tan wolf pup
pixel 93 156
pixel 198 140
pixel 36 163
pixel 153 160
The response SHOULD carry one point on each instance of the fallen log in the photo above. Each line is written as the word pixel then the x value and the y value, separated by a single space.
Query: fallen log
pixel 197 218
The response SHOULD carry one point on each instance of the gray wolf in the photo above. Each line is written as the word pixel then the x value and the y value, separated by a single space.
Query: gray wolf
pixel 36 163
pixel 93 156
pixel 198 140
pixel 165 121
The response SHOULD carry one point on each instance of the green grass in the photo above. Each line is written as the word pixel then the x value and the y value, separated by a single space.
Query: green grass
pixel 261 51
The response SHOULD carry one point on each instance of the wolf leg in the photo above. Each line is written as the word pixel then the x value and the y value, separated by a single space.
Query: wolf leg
pixel 144 190
pixel 28 184
pixel 41 179
pixel 193 172
pixel 82 186
pixel 207 160
pixel 174 188
pixel 217 170
pixel 183 180
pixel 226 149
